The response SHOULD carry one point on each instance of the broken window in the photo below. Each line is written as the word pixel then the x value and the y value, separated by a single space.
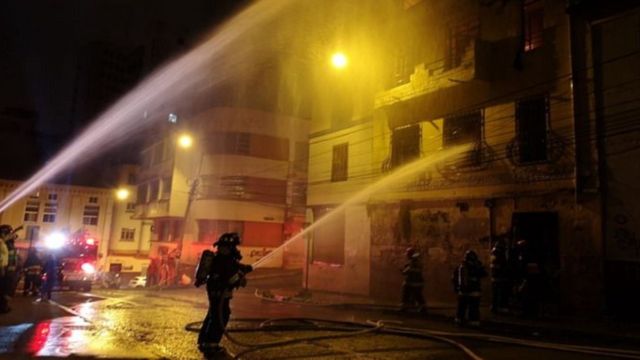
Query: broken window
pixel 461 35
pixel 533 24
pixel 532 127
pixel 405 144
pixel 465 129
pixel 340 163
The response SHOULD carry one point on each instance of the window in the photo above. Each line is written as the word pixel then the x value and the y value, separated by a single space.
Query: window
pixel 464 129
pixel 328 241
pixel 533 24
pixel 142 193
pixel 168 229
pixel 402 73
pixel 166 188
pixel 31 210
pixel 131 207
pixel 301 157
pixel 131 179
pixel 340 163
pixel 52 197
pixel 210 230
pixel 127 234
pixel 461 35
pixel 246 188
pixel 158 153
pixel 90 215
pixel 93 200
pixel 532 127
pixel 33 233
pixel 405 144
pixel 50 210
pixel 154 187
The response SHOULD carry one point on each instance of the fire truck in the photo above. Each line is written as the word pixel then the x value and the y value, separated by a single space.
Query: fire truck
pixel 77 254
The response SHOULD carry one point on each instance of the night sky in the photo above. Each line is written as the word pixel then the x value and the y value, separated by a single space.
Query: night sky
pixel 53 56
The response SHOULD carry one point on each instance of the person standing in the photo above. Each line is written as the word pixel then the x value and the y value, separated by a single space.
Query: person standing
pixel 50 274
pixel 5 234
pixel 13 267
pixel 32 273
pixel 500 284
pixel 413 285
pixel 467 279
pixel 222 272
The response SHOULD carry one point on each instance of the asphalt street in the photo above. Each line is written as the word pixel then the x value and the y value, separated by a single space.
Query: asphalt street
pixel 150 324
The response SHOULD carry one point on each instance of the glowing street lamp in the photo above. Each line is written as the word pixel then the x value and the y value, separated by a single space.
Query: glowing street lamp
pixel 339 60
pixel 185 141
pixel 122 194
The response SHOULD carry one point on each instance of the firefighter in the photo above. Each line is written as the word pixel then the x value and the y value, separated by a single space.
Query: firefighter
pixel 500 279
pixel 222 272
pixel 413 284
pixel 6 233
pixel 50 274
pixel 32 273
pixel 13 267
pixel 467 279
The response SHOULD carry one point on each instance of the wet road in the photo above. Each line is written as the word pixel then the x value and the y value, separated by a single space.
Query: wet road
pixel 150 324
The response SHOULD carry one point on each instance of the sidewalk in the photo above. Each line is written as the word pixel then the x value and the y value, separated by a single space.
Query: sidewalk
pixel 583 329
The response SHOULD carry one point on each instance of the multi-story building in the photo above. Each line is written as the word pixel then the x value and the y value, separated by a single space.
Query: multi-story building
pixel 500 76
pixel 245 172
pixel 105 214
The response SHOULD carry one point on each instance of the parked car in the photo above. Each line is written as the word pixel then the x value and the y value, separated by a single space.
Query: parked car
pixel 138 282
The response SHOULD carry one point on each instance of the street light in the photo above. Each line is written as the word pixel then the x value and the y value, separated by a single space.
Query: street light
pixel 122 194
pixel 339 60
pixel 185 141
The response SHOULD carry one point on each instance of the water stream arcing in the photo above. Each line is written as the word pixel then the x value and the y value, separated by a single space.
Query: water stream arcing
pixel 219 58
pixel 361 196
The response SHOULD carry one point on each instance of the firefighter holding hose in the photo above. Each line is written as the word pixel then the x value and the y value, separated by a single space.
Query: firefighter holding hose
pixel 222 272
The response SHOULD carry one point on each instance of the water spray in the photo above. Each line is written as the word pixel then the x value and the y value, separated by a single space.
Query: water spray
pixel 364 194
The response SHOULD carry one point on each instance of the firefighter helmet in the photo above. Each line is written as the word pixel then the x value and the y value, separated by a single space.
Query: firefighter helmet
pixel 5 229
pixel 470 256
pixel 230 239
pixel 412 252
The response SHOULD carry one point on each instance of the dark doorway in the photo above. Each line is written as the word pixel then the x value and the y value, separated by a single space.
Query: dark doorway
pixel 540 230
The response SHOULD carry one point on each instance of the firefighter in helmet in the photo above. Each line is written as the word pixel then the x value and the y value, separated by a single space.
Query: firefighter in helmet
pixel 413 284
pixel 222 272
pixel 467 279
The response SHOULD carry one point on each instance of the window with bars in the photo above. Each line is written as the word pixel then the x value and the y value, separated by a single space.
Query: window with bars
pixel 93 200
pixel 90 215
pixel 32 210
pixel 465 129
pixel 340 162
pixel 131 207
pixel 532 129
pixel 52 197
pixel 127 234
pixel 405 144
pixel 49 212
pixel 533 26
pixel 461 35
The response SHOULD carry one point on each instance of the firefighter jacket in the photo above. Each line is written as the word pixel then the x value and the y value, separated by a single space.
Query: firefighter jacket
pixel 4 255
pixel 413 273
pixel 499 265
pixel 33 265
pixel 14 260
pixel 225 274
pixel 467 278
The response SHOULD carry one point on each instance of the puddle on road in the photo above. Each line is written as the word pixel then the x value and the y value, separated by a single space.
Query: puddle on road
pixel 10 335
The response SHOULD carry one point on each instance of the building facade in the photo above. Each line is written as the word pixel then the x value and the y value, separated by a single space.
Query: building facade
pixel 502 78
pixel 245 173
